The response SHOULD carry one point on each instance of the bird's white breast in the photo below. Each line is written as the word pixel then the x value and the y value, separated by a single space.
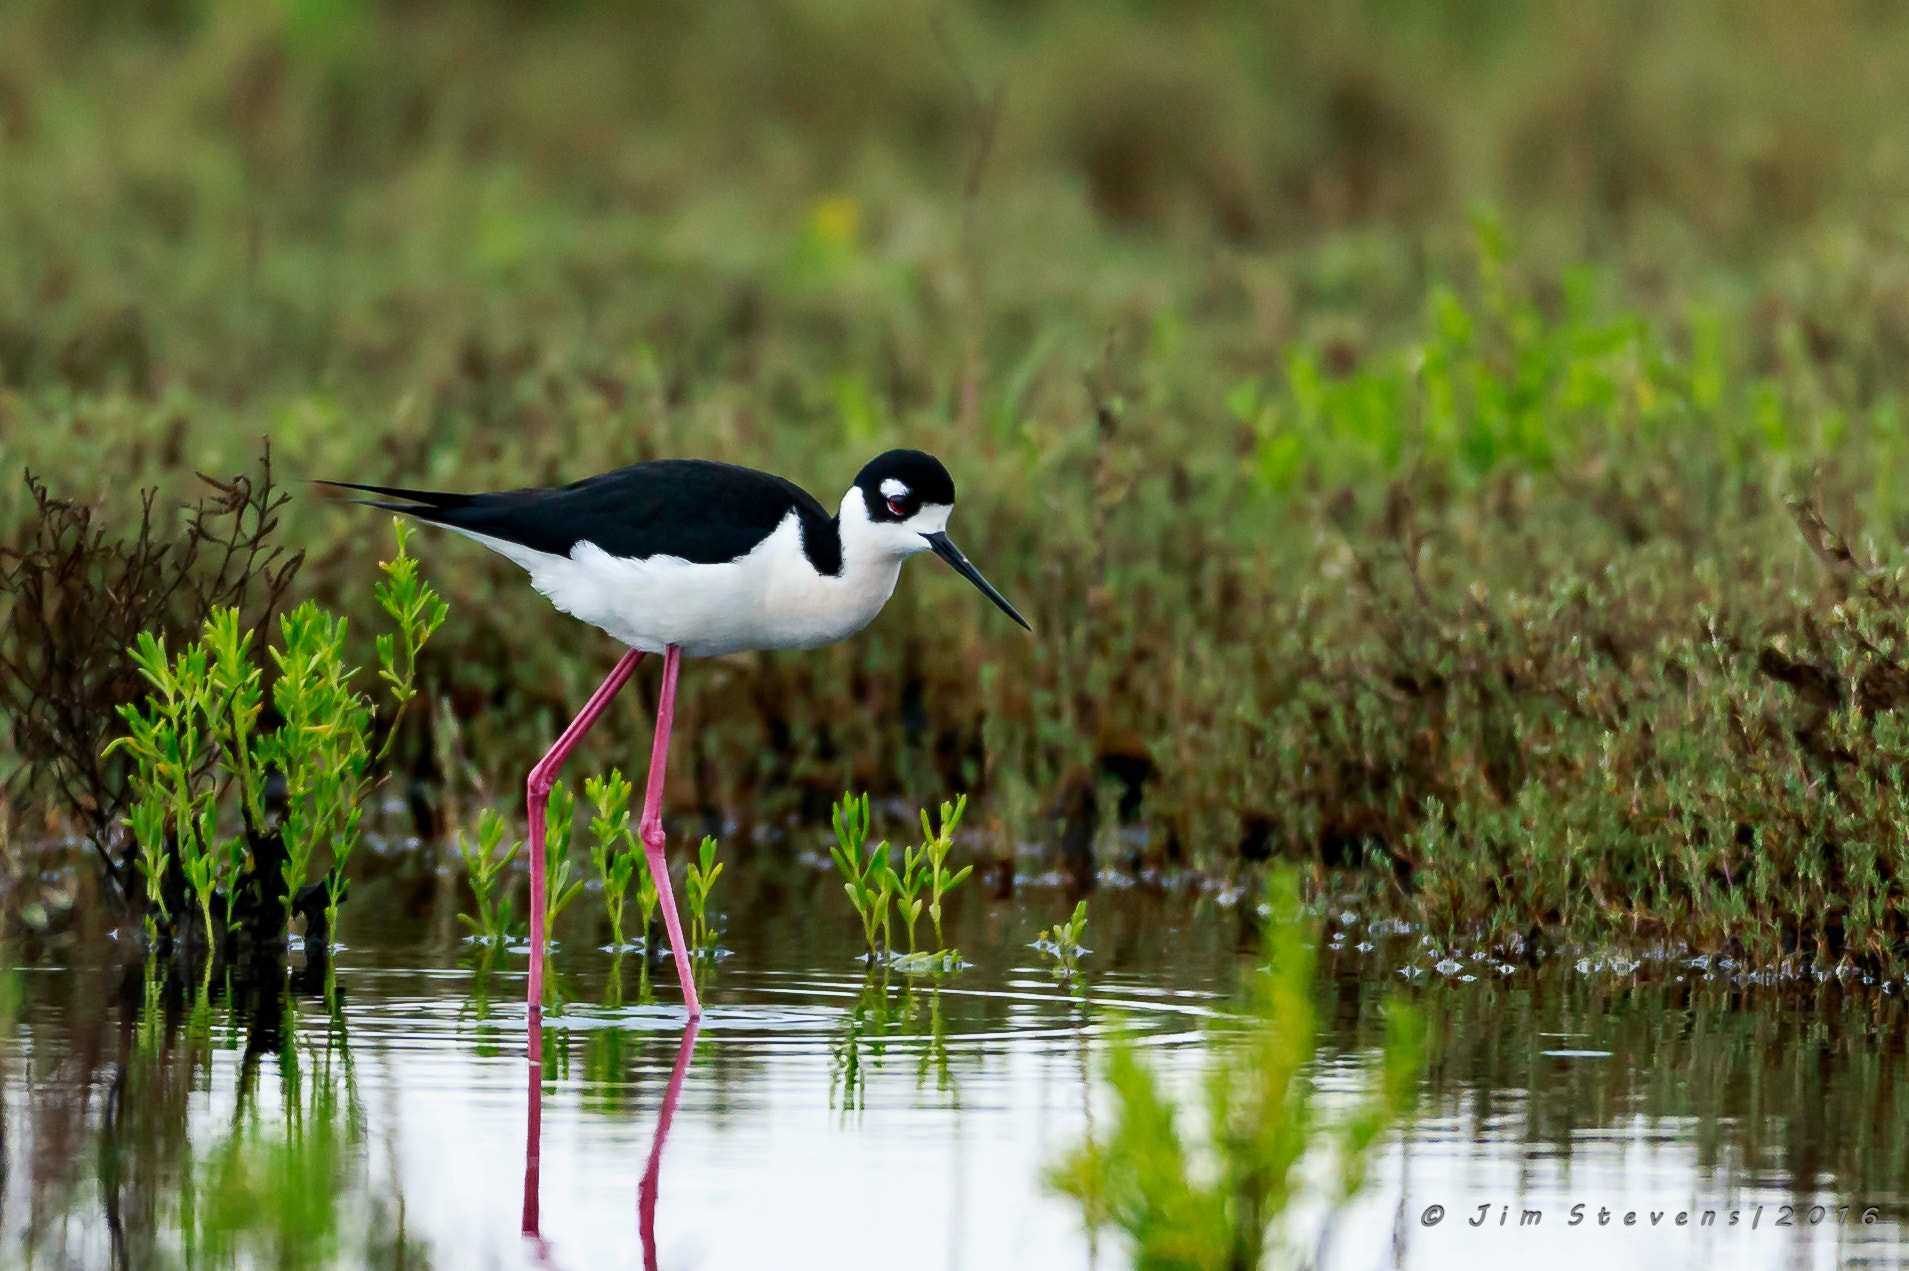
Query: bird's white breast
pixel 771 598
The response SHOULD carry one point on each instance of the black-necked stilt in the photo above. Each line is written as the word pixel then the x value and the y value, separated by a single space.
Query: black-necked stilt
pixel 688 556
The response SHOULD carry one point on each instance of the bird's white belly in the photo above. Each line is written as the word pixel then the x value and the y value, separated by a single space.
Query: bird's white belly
pixel 771 598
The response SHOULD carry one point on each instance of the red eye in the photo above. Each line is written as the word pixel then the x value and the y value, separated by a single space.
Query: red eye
pixel 898 507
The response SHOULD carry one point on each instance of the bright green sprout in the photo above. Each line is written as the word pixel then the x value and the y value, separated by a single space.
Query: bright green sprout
pixel 418 613
pixel 613 848
pixel 876 889
pixel 484 865
pixel 936 845
pixel 906 887
pixel 559 890
pixel 866 876
pixel 1061 943
pixel 646 895
pixel 702 876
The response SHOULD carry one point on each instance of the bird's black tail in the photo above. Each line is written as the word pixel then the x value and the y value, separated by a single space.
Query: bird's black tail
pixel 511 515
pixel 426 505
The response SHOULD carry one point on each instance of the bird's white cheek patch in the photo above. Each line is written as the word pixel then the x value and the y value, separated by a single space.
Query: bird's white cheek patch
pixel 932 519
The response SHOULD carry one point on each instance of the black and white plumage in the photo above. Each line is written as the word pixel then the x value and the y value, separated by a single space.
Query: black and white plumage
pixel 711 557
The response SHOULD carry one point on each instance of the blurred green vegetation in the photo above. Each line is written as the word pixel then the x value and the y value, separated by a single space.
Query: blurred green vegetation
pixel 1385 413
pixel 1217 1198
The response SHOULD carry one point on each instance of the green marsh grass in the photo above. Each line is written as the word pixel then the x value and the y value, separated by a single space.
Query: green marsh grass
pixel 1446 554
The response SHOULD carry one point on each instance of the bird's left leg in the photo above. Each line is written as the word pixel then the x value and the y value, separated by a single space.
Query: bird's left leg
pixel 650 828
pixel 537 797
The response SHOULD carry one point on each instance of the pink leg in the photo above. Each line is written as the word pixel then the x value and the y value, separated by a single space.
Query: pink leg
pixel 650 828
pixel 542 777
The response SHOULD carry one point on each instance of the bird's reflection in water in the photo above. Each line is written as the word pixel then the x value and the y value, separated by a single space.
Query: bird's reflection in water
pixel 533 1143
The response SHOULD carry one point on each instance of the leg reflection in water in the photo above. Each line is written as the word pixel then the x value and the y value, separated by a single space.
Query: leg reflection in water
pixel 533 1142
pixel 646 1191
pixel 534 1131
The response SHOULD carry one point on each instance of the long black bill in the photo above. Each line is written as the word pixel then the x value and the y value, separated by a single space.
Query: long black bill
pixel 945 548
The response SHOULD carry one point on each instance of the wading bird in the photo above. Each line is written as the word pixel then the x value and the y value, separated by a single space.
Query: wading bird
pixel 686 556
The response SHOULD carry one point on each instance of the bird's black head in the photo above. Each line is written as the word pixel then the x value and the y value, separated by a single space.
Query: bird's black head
pixel 909 495
pixel 900 483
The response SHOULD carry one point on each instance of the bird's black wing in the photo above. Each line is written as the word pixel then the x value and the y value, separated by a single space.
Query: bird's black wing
pixel 704 512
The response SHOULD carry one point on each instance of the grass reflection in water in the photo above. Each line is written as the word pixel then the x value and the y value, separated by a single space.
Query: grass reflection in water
pixel 210 1124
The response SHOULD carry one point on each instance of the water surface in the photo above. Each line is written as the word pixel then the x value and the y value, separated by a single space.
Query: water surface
pixel 827 1115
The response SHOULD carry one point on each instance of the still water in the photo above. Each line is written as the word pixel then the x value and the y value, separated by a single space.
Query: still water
pixel 387 1114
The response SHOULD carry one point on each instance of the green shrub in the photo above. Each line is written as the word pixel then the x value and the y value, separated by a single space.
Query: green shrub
pixel 201 763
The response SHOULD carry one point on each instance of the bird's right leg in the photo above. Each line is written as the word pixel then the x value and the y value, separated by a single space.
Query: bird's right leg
pixel 542 777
